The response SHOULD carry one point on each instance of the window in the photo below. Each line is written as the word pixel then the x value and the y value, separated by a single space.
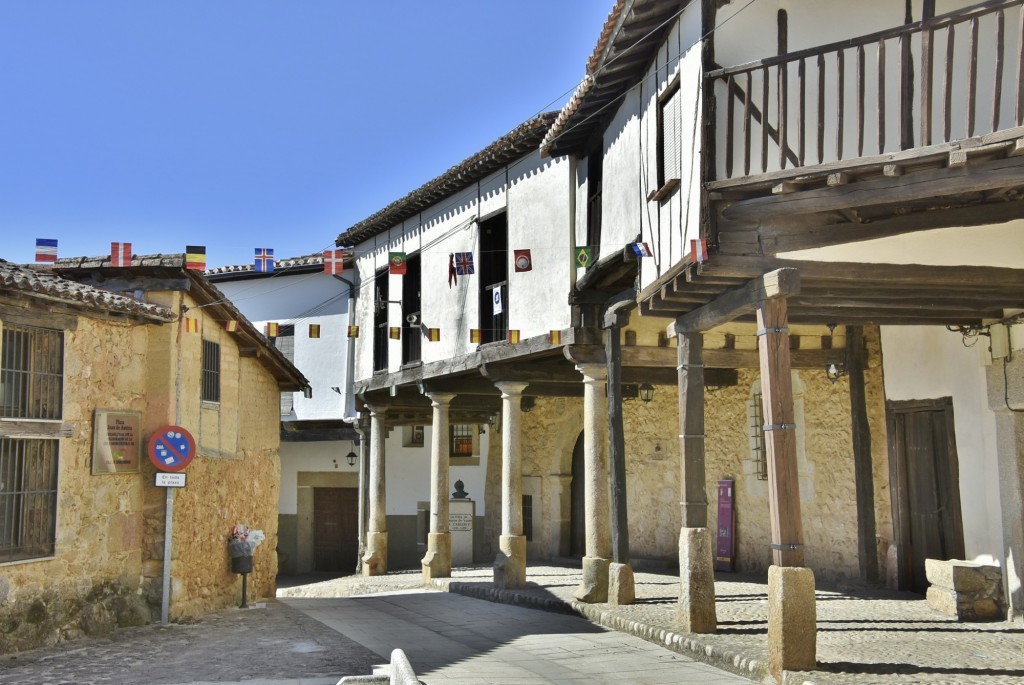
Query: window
pixel 31 373
pixel 380 321
pixel 461 440
pixel 28 498
pixel 412 330
pixel 285 341
pixel 211 372
pixel 758 452
pixel 493 269
pixel 669 140
pixel 528 517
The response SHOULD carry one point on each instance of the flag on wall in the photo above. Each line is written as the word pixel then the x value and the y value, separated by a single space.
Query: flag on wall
pixel 272 329
pixel 641 249
pixel 496 301
pixel 452 276
pixel 513 337
pixel 231 326
pixel 191 325
pixel 195 257
pixel 396 263
pixel 555 337
pixel 522 260
pixel 433 334
pixel 46 250
pixel 264 261
pixel 120 254
pixel 464 263
pixel 353 331
pixel 583 256
pixel 699 250
pixel 333 262
pixel 474 335
pixel 395 332
pixel 314 330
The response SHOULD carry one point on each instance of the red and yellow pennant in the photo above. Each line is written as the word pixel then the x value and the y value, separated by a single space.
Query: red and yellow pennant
pixel 433 334
pixel 555 337
pixel 231 326
pixel 314 330
pixel 474 335
pixel 272 329
pixel 353 331
pixel 513 337
pixel 191 325
pixel 395 333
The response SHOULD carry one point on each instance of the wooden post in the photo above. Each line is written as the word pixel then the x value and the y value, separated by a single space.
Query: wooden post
pixel 691 425
pixel 867 548
pixel 616 438
pixel 780 433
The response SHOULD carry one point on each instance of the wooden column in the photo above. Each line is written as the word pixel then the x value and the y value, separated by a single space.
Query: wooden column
pixel 780 433
pixel 616 437
pixel 691 430
pixel 867 547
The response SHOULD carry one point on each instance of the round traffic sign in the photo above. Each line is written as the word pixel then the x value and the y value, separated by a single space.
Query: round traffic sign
pixel 171 448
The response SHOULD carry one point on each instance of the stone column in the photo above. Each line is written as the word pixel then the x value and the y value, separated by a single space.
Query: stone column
pixel 594 587
pixel 437 563
pixel 363 429
pixel 510 564
pixel 375 559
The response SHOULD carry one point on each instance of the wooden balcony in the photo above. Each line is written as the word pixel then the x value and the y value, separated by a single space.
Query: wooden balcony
pixel 918 87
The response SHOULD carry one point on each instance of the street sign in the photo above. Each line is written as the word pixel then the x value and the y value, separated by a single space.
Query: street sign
pixel 171 448
pixel 170 480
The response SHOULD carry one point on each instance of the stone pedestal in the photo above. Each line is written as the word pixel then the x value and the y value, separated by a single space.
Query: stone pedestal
pixel 436 562
pixel 375 561
pixel 461 513
pixel 621 586
pixel 510 565
pixel 792 621
pixel 969 591
pixel 696 610
pixel 594 586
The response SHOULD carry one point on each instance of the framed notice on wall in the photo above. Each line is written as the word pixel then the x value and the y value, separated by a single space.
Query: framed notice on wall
pixel 116 441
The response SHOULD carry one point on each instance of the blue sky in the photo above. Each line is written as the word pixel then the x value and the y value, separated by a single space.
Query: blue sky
pixel 238 125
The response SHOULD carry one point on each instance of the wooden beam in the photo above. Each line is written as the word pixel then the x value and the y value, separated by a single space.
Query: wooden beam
pixel 691 430
pixel 778 283
pixel 867 546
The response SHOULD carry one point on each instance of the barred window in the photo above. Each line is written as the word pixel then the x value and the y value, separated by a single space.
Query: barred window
pixel 461 440
pixel 758 451
pixel 211 372
pixel 28 498
pixel 31 372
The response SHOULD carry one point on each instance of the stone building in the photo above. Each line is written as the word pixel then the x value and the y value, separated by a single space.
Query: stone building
pixel 94 360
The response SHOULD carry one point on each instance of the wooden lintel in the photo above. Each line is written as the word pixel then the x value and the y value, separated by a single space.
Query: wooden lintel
pixel 36 429
pixel 779 283
pixel 527 372
pixel 248 351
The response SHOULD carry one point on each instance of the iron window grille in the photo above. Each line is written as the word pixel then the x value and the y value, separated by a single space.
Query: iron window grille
pixel 757 440
pixel 211 372
pixel 28 498
pixel 31 373
pixel 461 440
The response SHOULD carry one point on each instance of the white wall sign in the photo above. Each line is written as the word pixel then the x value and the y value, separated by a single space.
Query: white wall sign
pixel 170 480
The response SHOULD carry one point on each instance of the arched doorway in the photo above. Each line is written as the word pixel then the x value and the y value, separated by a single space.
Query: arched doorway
pixel 577 510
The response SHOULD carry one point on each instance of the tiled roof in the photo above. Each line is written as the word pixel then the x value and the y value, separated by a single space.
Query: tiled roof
pixel 42 283
pixel 513 145
pixel 313 260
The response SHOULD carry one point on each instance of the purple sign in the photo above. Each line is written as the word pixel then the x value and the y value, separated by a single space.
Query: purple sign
pixel 725 550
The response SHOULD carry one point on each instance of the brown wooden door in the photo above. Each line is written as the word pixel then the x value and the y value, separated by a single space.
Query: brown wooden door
pixel 335 529
pixel 924 475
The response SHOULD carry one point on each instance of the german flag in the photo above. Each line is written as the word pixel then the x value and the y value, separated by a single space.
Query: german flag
pixel 195 257
pixel 433 334
pixel 474 335
pixel 314 330
pixel 272 329
pixel 513 337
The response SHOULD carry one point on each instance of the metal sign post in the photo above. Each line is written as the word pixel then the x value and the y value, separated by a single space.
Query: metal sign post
pixel 171 449
pixel 165 596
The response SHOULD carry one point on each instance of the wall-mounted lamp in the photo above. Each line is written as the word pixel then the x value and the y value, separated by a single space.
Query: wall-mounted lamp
pixel 835 371
pixel 351 458
pixel 494 421
pixel 526 403
pixel 646 392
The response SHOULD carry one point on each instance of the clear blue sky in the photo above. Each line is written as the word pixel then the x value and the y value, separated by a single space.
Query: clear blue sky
pixel 238 125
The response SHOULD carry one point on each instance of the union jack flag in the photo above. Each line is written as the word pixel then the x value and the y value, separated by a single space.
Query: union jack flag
pixel 464 263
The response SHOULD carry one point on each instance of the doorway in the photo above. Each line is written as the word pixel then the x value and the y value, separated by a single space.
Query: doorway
pixel 925 487
pixel 335 529
pixel 577 504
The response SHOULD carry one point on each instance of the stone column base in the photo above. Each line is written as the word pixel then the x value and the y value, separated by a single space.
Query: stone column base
pixel 594 586
pixel 437 563
pixel 375 560
pixel 621 587
pixel 792 623
pixel 696 611
pixel 510 564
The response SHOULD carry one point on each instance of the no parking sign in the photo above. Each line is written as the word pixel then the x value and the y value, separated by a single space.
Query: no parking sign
pixel 171 448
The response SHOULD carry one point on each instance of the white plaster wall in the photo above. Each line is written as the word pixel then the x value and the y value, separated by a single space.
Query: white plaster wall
pixel 310 457
pixel 621 198
pixel 928 362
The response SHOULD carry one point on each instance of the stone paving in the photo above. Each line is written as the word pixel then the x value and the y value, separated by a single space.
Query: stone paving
pixel 864 636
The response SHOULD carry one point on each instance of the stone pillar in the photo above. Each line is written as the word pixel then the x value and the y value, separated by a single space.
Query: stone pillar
pixel 510 564
pixel 375 559
pixel 437 563
pixel 696 610
pixel 363 429
pixel 594 587
pixel 792 624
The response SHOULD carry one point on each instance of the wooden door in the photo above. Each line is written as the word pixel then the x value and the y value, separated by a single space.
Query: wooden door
pixel 577 506
pixel 335 529
pixel 925 487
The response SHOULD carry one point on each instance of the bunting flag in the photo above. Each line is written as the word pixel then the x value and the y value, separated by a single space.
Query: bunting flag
pixel 333 263
pixel 395 332
pixel 396 263
pixel 474 335
pixel 46 250
pixel 272 329
pixel 513 337
pixel 191 325
pixel 314 330
pixel 231 326
pixel 496 301
pixel 522 260
pixel 452 276
pixel 120 254
pixel 699 250
pixel 641 249
pixel 433 334
pixel 195 257
pixel 555 337
pixel 583 256
pixel 464 263
pixel 264 261
pixel 353 331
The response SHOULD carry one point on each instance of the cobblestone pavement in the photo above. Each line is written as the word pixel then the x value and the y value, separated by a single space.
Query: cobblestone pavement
pixel 864 636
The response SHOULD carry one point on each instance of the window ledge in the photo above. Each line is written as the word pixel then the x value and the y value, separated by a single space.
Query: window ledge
pixel 36 428
pixel 207 404
pixel 464 461
pixel 664 191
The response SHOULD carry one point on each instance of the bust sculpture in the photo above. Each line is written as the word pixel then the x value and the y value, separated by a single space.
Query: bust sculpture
pixel 460 491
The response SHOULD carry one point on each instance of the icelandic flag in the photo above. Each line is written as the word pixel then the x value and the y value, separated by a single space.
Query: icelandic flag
pixel 264 261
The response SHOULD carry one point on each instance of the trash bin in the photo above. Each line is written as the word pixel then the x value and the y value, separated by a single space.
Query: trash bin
pixel 241 556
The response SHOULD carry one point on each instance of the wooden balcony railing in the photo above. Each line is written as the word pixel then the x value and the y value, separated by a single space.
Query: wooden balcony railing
pixel 951 77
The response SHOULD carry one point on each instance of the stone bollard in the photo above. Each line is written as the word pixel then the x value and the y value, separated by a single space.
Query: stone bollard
pixel 966 590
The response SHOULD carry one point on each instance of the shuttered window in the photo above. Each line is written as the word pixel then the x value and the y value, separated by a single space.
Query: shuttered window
pixel 669 135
